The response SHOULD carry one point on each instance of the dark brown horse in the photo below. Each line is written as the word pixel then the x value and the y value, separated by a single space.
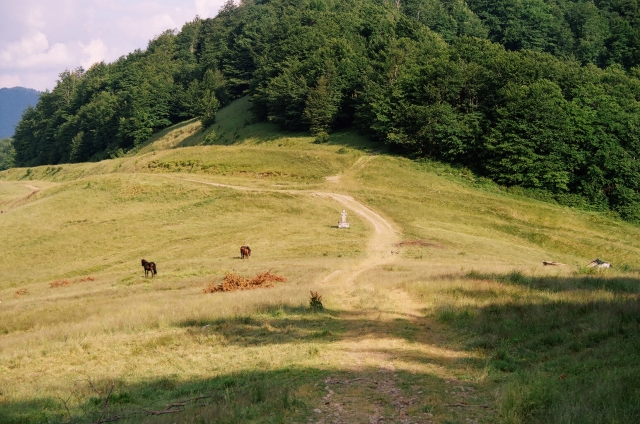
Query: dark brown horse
pixel 149 267
pixel 245 252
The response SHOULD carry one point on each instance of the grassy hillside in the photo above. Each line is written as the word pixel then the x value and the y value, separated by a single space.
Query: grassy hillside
pixel 445 315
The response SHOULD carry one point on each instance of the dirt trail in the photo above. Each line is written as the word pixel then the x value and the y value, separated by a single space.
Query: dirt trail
pixel 12 203
pixel 379 247
pixel 31 187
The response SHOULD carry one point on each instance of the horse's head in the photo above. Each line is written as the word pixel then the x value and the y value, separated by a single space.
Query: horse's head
pixel 144 262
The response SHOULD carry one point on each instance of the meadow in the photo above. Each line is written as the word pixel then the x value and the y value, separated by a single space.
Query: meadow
pixel 437 307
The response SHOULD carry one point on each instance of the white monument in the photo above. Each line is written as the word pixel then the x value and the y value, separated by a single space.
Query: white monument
pixel 343 223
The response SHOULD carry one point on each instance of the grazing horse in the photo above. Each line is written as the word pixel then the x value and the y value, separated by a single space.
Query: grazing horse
pixel 149 267
pixel 245 252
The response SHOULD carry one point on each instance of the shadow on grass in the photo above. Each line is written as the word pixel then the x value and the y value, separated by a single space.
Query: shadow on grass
pixel 284 324
pixel 290 393
pixel 286 395
pixel 563 359
pixel 589 279
pixel 566 349
pixel 352 139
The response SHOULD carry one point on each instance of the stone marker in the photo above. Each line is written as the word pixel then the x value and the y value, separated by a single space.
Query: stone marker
pixel 343 223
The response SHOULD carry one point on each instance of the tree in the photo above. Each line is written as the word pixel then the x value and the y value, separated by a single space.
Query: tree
pixel 7 154
pixel 530 143
pixel 321 106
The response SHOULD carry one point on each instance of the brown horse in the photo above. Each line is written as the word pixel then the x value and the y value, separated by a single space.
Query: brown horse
pixel 149 267
pixel 245 252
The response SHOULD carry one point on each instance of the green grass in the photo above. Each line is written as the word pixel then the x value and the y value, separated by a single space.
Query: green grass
pixel 467 305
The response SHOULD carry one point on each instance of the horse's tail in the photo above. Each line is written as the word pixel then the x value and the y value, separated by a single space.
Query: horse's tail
pixel 155 268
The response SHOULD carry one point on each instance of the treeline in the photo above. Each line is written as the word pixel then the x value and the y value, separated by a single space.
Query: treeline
pixel 113 107
pixel 538 94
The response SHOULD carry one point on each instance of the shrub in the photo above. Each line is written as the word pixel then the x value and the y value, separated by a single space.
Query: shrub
pixel 315 302
pixel 321 137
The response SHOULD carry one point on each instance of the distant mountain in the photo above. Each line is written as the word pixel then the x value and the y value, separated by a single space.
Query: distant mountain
pixel 13 101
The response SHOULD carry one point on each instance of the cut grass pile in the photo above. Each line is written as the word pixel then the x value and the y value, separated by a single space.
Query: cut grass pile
pixel 233 282
pixel 67 283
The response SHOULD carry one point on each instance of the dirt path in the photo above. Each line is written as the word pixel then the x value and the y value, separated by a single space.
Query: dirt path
pixel 31 187
pixel 13 203
pixel 380 247
pixel 382 396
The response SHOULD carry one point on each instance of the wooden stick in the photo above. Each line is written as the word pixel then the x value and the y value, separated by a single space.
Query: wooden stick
pixel 467 405
pixel 106 402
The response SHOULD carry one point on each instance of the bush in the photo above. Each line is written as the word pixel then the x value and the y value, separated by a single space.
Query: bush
pixel 315 302
pixel 321 137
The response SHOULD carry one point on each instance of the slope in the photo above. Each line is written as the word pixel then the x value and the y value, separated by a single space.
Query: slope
pixel 431 254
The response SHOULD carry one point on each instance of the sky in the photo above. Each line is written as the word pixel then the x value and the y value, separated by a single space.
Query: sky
pixel 39 39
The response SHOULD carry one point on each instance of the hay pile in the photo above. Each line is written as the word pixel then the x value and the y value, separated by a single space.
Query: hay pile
pixel 234 282
pixel 66 283
pixel 59 283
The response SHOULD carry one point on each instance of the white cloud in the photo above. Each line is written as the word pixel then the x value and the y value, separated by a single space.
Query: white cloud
pixel 33 51
pixel 95 51
pixel 9 80
pixel 208 8
pixel 41 38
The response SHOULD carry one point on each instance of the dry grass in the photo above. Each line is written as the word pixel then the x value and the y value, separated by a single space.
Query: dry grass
pixel 418 243
pixel 161 341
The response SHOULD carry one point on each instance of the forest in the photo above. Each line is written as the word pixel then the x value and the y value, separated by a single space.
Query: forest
pixel 542 95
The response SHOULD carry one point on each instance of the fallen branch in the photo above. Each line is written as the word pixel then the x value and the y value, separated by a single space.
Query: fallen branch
pixel 112 419
pixel 552 263
pixel 176 407
pixel 172 411
pixel 106 402
pixel 467 405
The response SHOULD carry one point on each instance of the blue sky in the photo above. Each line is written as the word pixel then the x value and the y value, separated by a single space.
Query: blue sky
pixel 41 38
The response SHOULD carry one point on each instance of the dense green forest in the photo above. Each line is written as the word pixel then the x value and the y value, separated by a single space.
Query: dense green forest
pixel 539 94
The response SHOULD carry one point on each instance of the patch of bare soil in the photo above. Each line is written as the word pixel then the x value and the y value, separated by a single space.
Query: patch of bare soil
pixel 12 203
pixel 376 399
pixel 385 402
pixel 233 282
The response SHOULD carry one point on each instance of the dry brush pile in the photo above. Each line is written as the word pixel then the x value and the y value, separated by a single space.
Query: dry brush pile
pixel 234 282
pixel 66 283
